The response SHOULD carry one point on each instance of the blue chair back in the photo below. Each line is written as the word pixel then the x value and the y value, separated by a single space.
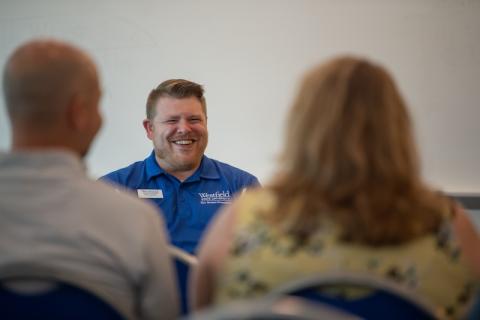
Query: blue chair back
pixel 474 312
pixel 266 308
pixel 384 300
pixel 58 301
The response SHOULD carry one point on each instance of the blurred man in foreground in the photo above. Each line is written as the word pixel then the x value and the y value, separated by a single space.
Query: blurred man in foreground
pixel 55 222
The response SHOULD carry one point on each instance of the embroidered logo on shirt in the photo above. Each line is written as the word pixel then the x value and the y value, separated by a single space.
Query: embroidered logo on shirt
pixel 222 197
pixel 150 193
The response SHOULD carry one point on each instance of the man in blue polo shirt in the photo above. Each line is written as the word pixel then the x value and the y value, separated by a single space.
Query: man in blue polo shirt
pixel 186 185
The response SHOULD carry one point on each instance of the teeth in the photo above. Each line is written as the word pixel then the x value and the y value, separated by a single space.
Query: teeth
pixel 183 142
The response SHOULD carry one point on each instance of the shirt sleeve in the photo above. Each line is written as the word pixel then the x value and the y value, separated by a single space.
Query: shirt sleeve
pixel 112 177
pixel 249 181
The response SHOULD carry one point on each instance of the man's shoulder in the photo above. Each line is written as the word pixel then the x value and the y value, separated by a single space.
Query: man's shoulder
pixel 123 175
pixel 231 172
pixel 116 214
pixel 103 195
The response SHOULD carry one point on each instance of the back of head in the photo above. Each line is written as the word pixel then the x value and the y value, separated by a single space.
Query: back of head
pixel 178 89
pixel 41 81
pixel 350 155
pixel 352 119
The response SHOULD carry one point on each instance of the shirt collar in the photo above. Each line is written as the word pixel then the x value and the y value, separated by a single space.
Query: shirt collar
pixel 152 167
pixel 207 169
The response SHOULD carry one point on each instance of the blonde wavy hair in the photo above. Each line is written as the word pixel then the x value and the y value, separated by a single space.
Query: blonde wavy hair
pixel 350 157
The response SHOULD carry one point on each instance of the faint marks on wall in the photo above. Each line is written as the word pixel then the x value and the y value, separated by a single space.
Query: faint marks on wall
pixel 99 31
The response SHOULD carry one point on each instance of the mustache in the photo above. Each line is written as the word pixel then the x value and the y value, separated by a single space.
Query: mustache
pixel 183 137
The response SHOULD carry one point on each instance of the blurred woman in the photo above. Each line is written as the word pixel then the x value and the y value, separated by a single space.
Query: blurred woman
pixel 348 196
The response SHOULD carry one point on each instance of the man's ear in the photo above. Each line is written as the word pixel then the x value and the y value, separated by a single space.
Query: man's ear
pixel 147 124
pixel 77 115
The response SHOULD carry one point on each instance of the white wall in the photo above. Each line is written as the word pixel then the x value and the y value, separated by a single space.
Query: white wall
pixel 250 55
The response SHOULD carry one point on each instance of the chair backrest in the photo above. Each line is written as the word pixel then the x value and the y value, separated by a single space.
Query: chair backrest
pixel 266 308
pixel 474 311
pixel 184 262
pixel 33 298
pixel 381 298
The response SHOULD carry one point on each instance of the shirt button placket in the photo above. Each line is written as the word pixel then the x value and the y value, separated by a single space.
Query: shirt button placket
pixel 182 207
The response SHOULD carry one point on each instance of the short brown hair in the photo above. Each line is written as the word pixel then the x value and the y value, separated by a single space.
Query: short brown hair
pixel 175 88
pixel 350 157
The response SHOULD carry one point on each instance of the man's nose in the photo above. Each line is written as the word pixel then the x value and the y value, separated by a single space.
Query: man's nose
pixel 183 126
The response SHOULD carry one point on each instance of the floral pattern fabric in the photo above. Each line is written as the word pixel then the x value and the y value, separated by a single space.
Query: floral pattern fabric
pixel 262 258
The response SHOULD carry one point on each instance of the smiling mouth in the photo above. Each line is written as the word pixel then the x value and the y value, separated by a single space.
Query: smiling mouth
pixel 183 142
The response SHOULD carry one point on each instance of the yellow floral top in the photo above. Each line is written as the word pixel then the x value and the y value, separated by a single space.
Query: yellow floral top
pixel 262 258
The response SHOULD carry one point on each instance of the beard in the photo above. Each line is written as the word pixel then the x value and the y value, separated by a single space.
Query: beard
pixel 175 161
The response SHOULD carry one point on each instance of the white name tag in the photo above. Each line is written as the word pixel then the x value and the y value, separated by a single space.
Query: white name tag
pixel 150 193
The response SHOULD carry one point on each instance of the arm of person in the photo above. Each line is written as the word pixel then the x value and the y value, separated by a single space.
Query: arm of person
pixel 159 297
pixel 211 257
pixel 468 238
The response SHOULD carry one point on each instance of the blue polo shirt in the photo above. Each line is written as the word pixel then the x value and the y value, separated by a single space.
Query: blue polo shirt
pixel 187 206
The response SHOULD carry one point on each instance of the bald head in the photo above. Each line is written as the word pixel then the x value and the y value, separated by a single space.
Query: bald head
pixel 40 76
pixel 41 81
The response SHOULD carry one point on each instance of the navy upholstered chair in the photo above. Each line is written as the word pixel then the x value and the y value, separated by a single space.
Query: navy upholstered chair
pixel 383 299
pixel 33 298
pixel 278 308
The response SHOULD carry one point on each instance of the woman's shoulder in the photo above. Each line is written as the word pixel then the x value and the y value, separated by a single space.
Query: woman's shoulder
pixel 254 204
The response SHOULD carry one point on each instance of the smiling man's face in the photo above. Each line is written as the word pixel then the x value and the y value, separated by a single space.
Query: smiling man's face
pixel 179 134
